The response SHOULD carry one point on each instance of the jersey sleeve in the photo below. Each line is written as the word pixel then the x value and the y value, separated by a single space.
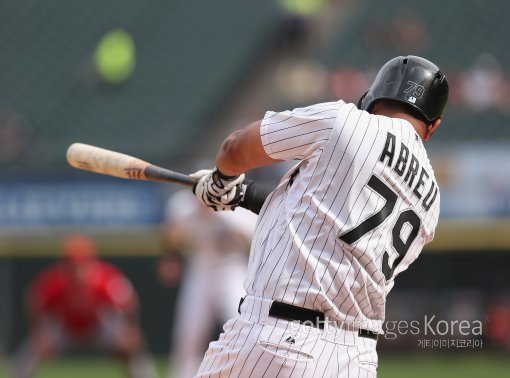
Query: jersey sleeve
pixel 297 134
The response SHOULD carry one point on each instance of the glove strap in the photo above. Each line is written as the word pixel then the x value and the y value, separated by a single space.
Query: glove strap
pixel 219 178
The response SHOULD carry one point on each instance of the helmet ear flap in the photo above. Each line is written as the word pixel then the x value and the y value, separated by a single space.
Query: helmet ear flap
pixel 360 101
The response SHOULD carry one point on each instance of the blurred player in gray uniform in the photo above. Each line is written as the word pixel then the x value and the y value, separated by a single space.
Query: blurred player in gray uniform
pixel 351 215
pixel 217 245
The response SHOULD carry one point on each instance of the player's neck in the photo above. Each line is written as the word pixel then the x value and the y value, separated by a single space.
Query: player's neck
pixel 418 125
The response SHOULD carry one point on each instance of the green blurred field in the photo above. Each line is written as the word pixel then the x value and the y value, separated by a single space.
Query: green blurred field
pixel 81 367
pixel 469 365
pixel 472 365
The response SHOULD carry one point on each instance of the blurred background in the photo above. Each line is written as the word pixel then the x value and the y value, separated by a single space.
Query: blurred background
pixel 167 80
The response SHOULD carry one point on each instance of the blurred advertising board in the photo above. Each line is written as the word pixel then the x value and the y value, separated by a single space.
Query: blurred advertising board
pixel 474 180
pixel 34 203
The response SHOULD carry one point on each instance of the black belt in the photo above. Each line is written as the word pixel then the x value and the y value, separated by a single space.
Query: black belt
pixel 314 318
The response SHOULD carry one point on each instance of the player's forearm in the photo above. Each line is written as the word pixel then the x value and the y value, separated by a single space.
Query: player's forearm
pixel 255 196
pixel 242 151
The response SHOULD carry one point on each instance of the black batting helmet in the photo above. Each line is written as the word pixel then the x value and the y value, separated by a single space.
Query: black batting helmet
pixel 411 80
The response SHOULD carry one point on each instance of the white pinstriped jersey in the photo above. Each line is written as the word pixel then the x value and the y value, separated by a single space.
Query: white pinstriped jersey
pixel 355 211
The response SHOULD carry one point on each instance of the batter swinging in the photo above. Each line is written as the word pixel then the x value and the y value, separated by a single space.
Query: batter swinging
pixel 352 214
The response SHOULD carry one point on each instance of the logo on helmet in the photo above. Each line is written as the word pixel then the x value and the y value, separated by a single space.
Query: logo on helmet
pixel 413 92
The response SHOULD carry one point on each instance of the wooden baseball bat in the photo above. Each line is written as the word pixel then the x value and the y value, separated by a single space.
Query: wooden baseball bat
pixel 100 160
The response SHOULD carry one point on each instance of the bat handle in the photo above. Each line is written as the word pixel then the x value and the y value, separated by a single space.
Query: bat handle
pixel 154 172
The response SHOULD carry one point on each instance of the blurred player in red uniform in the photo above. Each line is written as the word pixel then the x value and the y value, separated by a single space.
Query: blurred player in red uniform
pixel 83 302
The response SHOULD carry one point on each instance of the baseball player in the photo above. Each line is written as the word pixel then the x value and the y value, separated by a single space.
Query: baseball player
pixel 217 245
pixel 82 301
pixel 353 213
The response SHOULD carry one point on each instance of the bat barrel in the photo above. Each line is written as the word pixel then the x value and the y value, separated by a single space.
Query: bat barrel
pixel 99 160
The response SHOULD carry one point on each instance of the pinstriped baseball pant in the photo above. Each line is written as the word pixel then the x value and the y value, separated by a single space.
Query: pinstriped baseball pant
pixel 257 345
